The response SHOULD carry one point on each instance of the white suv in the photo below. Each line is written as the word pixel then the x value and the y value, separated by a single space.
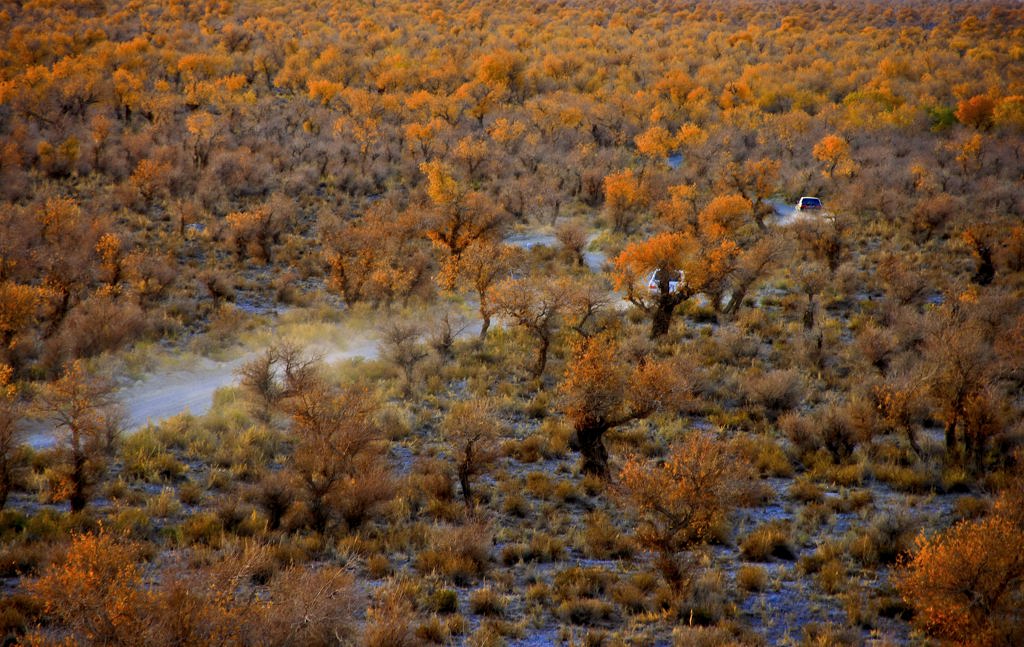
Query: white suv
pixel 674 284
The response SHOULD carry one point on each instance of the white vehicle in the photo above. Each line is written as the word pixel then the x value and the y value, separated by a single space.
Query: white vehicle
pixel 674 283
pixel 809 203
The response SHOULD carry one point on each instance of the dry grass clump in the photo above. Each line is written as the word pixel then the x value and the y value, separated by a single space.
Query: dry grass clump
pixel 581 595
pixel 765 454
pixel 630 597
pixel 770 539
pixel 443 601
pixel 832 577
pixel 825 552
pixel 888 536
pixel 704 603
pixel 602 539
pixel 805 490
pixel 391 617
pixel 903 478
pixel 485 601
pixel 164 505
pixel 829 634
pixel 775 391
pixel 541 548
pixel 697 636
pixel 146 458
pixel 436 630
pixel 460 553
pixel 539 485
pixel 752 578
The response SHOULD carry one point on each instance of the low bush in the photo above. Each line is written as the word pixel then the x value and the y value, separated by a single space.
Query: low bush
pixel 752 578
pixel 460 553
pixel 485 601
pixel 770 539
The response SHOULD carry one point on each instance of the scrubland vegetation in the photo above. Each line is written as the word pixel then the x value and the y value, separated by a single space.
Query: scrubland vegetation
pixel 816 438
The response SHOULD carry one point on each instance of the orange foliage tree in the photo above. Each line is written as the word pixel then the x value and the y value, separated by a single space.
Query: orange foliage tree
pixel 96 591
pixel 338 456
pixel 601 391
pixel 459 217
pixel 378 258
pixel 967 583
pixel 86 421
pixel 625 199
pixel 11 412
pixel 678 501
pixel 834 152
pixel 704 262
pixel 482 266
pixel 977 111
pixel 536 304
pixel 472 430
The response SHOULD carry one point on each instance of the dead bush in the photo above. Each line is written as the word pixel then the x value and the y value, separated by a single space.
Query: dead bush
pixel 460 553
pixel 777 391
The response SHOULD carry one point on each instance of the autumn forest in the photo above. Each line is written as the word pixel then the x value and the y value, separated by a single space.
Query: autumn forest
pixel 511 322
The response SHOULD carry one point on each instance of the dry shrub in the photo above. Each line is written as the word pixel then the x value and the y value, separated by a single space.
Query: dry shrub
pixel 602 538
pixel 100 323
pixel 830 426
pixel 94 592
pixel 777 390
pixel 770 539
pixel 806 490
pixel 274 493
pixel 888 538
pixel 765 455
pixel 311 607
pixel 487 602
pixel 679 503
pixel 581 595
pixel 389 621
pixel 572 236
pixel 430 479
pixel 461 553
pixel 752 578
pixel 630 597
pixel 966 583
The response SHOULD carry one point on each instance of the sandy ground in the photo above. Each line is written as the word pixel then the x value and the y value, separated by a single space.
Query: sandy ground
pixel 162 394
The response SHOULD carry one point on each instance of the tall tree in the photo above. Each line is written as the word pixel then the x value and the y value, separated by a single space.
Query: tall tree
pixel 602 391
pixel 85 416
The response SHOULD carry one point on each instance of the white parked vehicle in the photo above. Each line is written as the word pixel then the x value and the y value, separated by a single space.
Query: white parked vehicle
pixel 674 283
pixel 809 203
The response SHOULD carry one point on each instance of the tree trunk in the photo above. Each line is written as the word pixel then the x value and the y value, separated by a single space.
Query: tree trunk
pixel 5 481
pixel 951 450
pixel 542 357
pixel 485 325
pixel 589 441
pixel 78 497
pixel 735 300
pixel 661 321
pixel 986 271
pixel 467 492
pixel 809 313
pixel 912 439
